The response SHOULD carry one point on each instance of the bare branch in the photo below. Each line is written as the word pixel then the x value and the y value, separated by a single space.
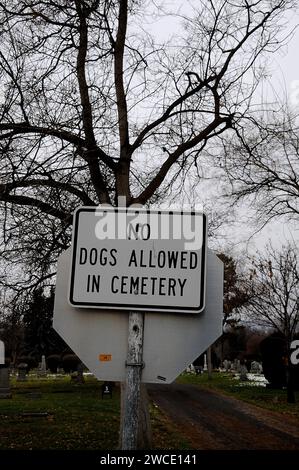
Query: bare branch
pixel 40 205
pixel 173 157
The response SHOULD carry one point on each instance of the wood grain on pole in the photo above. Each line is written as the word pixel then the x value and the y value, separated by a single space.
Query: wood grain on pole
pixel 134 364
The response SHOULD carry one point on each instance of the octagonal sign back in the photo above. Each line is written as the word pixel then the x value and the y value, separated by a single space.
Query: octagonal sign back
pixel 171 341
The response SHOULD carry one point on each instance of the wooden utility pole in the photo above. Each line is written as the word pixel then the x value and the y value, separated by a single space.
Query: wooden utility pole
pixel 134 365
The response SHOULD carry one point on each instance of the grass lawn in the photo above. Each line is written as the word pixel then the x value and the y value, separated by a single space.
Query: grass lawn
pixel 275 400
pixel 77 418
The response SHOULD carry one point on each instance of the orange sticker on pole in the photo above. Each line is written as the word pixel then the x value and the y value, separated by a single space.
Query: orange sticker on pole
pixel 105 357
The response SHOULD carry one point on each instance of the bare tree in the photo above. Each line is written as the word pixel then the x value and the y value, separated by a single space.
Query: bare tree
pixel 235 297
pixel 262 164
pixel 274 296
pixel 235 293
pixel 94 107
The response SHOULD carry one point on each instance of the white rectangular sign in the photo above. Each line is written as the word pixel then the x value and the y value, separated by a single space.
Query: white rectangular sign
pixel 136 259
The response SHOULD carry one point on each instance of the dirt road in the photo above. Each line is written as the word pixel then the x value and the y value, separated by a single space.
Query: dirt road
pixel 213 421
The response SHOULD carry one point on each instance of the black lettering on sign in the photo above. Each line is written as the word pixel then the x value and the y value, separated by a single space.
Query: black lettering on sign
pixel 143 285
pixel 103 257
pixel 171 286
pixel 93 283
pixel 142 265
pixel 113 260
pixel 93 256
pixel 134 285
pixel 83 256
pixel 153 279
pixel 114 289
pixel 131 229
pixel 193 260
pixel 123 285
pixel 182 285
pixel 161 259
pixel 133 259
pixel 173 259
pixel 183 260
pixel 145 231
pixel 139 232
pixel 162 285
pixel 151 263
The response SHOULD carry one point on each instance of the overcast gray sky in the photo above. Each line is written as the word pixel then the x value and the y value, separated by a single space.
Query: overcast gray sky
pixel 282 83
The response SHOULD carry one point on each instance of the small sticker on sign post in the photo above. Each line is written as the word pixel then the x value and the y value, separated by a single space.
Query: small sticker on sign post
pixel 105 357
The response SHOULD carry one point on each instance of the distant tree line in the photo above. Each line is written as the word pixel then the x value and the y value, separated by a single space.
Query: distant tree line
pixel 28 334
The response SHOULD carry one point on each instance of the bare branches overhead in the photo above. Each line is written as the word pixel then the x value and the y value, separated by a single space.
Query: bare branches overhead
pixel 262 164
pixel 274 287
pixel 95 106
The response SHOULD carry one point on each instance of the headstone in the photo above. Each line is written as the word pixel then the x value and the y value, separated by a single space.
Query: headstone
pixel 256 368
pixel 22 372
pixel 80 377
pixel 237 365
pixel 43 365
pixel 106 389
pixel 243 372
pixel 77 377
pixel 42 368
pixel 198 370
pixel 190 369
pixel 227 365
pixel 4 382
pixel 205 363
pixel 74 377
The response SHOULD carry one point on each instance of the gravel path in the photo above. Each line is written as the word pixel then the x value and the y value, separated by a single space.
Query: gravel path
pixel 213 421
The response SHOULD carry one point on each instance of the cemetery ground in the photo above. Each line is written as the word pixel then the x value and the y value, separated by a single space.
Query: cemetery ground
pixel 225 413
pixel 251 392
pixel 53 413
pixel 194 413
